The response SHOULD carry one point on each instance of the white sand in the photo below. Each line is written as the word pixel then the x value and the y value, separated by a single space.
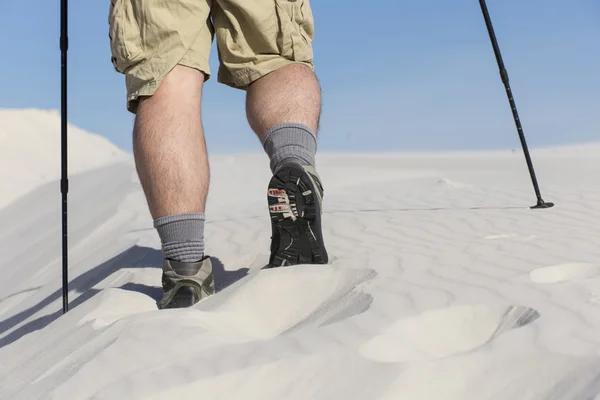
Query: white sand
pixel 443 284
pixel 30 151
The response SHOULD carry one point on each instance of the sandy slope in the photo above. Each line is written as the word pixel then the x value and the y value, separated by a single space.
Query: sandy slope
pixel 30 151
pixel 442 285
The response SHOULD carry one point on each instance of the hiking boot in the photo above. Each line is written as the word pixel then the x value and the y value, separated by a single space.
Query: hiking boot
pixel 186 283
pixel 295 196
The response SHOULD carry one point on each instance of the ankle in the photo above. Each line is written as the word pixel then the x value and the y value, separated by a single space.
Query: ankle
pixel 182 236
pixel 290 142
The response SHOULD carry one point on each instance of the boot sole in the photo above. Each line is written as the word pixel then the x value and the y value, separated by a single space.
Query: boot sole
pixel 295 219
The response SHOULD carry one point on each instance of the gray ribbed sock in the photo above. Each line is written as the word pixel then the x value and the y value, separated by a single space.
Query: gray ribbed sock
pixel 290 142
pixel 182 236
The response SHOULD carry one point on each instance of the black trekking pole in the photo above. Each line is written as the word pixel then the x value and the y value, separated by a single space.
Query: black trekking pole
pixel 540 203
pixel 64 181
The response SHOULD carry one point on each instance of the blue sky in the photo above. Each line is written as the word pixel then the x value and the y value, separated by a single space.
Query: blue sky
pixel 396 75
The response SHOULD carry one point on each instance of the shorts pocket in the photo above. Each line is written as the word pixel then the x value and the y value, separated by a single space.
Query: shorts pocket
pixel 124 35
pixel 295 29
pixel 305 21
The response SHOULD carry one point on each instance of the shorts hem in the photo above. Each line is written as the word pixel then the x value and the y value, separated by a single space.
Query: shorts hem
pixel 243 77
pixel 150 87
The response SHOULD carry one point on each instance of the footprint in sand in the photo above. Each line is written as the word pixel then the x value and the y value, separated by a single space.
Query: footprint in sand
pixel 565 272
pixel 446 332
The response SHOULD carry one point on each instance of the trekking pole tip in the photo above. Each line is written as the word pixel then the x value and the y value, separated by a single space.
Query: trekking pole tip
pixel 542 204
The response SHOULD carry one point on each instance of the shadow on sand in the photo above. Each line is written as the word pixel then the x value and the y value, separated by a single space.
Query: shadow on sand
pixel 134 257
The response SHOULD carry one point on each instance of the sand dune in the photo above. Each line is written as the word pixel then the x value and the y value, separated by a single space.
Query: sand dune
pixel 30 151
pixel 443 284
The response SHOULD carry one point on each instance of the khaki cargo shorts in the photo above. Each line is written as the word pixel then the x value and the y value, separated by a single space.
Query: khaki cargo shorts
pixel 254 37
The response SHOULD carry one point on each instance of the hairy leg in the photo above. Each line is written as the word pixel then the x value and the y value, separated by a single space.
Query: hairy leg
pixel 290 94
pixel 169 146
pixel 284 109
pixel 172 162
